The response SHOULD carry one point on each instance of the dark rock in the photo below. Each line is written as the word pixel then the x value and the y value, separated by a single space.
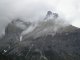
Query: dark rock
pixel 64 45
pixel 51 15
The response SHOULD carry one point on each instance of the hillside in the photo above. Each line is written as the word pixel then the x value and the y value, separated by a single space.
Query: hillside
pixel 50 39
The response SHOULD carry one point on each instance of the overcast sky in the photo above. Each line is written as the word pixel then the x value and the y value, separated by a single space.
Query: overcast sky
pixel 34 9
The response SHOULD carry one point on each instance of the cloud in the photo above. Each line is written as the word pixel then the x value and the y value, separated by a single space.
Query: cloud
pixel 35 9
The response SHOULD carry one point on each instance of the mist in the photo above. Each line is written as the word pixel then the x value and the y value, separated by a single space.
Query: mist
pixel 34 10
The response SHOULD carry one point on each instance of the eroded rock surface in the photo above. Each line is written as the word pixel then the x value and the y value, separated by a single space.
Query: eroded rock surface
pixel 42 43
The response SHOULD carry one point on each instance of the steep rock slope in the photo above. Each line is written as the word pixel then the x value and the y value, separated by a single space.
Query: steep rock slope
pixel 47 40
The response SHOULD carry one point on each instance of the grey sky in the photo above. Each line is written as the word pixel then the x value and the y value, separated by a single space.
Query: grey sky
pixel 35 9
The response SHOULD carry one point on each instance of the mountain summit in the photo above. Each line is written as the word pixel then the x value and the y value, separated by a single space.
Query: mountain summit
pixel 51 15
pixel 52 39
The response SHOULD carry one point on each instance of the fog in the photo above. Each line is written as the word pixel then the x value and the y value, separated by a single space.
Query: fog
pixel 34 10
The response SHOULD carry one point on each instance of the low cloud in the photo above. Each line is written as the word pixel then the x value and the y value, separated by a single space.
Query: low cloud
pixel 33 10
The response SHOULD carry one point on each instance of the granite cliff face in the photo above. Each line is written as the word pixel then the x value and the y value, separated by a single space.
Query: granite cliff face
pixel 50 39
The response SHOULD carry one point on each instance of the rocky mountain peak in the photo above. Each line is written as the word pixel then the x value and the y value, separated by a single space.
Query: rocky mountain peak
pixel 63 45
pixel 16 26
pixel 50 15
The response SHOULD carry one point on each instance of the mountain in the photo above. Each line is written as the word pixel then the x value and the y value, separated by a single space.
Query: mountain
pixel 50 39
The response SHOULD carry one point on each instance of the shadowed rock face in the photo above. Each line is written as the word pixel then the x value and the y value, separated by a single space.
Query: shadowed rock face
pixel 16 26
pixel 64 45
pixel 51 15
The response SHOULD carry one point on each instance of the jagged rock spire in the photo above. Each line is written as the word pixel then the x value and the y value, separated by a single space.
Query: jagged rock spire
pixel 51 15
